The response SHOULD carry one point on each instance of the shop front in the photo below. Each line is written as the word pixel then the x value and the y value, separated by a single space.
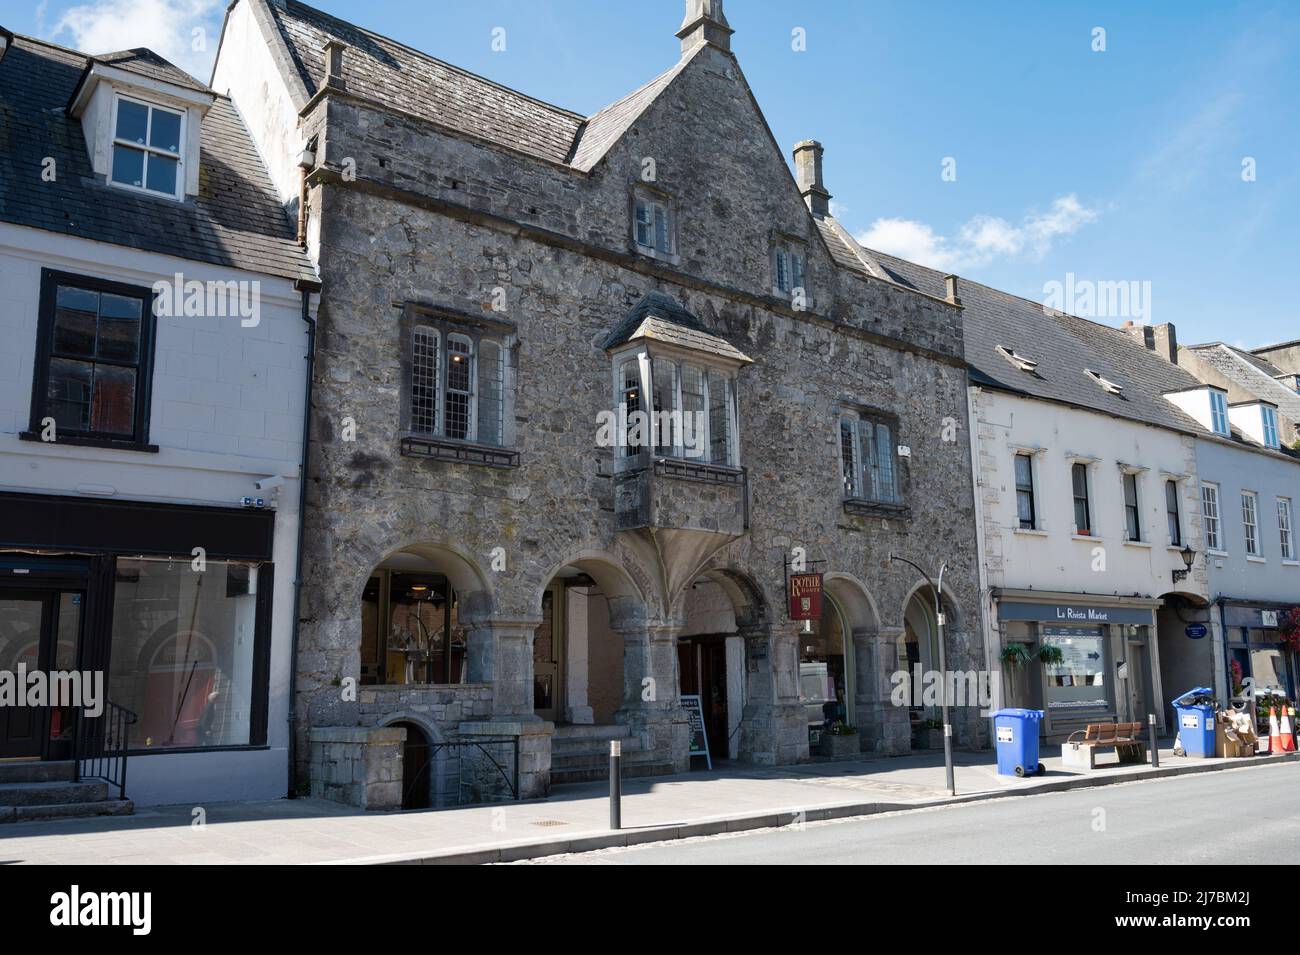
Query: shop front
pixel 1080 658
pixel 166 607
pixel 1257 647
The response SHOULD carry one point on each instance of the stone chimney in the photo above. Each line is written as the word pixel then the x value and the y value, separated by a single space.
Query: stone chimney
pixel 808 174
pixel 705 23
pixel 1161 339
pixel 950 286
pixel 333 50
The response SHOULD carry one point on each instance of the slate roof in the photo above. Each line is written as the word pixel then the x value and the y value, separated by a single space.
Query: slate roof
pixel 146 62
pixel 391 73
pixel 605 128
pixel 235 221
pixel 1252 374
pixel 661 317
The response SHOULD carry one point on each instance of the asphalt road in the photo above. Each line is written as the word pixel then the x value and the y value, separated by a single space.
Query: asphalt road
pixel 1220 817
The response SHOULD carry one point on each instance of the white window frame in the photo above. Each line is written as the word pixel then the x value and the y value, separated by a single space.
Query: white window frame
pixel 1210 512
pixel 1285 528
pixel 645 362
pixel 1250 522
pixel 1219 413
pixel 855 419
pixel 179 192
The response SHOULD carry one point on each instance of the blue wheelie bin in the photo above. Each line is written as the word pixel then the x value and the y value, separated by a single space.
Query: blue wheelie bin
pixel 1196 722
pixel 1016 734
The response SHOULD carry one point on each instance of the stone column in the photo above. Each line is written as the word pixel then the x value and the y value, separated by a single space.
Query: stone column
pixel 774 727
pixel 884 727
pixel 652 692
pixel 501 654
pixel 576 707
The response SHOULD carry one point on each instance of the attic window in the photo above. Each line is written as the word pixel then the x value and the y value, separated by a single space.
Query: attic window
pixel 1106 383
pixel 1017 359
pixel 147 147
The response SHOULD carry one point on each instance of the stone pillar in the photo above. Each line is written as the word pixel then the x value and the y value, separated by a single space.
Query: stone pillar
pixel 884 727
pixel 652 692
pixel 534 770
pixel 358 766
pixel 774 727
pixel 576 707
pixel 501 654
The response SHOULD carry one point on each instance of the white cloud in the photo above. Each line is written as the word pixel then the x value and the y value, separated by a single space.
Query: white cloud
pixel 981 240
pixel 168 27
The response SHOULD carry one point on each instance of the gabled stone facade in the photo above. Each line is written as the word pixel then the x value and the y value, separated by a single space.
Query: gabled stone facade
pixel 410 217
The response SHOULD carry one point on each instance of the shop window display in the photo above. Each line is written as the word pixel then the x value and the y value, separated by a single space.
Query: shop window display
pixel 1079 680
pixel 183 651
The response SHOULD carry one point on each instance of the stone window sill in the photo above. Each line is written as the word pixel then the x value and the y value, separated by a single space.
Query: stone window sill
pixel 697 471
pixel 652 253
pixel 92 441
pixel 1256 560
pixel 1145 545
pixel 1089 538
pixel 461 452
pixel 1031 531
pixel 865 508
pixel 1291 563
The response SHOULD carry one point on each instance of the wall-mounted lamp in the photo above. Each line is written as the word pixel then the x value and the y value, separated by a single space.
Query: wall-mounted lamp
pixel 1189 558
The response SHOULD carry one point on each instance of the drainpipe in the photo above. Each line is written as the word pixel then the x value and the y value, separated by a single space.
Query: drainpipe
pixel 1222 603
pixel 306 291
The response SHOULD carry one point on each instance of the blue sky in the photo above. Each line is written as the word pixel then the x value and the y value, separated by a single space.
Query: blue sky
pixel 1124 164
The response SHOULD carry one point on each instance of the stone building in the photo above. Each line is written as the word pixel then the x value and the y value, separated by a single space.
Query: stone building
pixel 496 551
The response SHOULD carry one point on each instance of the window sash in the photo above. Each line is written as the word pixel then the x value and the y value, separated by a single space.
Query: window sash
pixel 1082 517
pixel 1171 509
pixel 1284 528
pixel 1219 412
pixel 457 400
pixel 1132 516
pixel 1270 427
pixel 147 150
pixel 694 404
pixel 1025 510
pixel 1210 511
pixel 1250 522
pixel 651 227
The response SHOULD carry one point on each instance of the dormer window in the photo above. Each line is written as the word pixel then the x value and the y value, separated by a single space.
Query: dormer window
pixel 1107 385
pixel 1269 414
pixel 1219 412
pixel 147 147
pixel 1017 359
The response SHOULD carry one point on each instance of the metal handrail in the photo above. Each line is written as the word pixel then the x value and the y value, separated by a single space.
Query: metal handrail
pixel 100 744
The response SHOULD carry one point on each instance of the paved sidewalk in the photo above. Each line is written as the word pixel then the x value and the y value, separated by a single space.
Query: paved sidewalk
pixel 575 818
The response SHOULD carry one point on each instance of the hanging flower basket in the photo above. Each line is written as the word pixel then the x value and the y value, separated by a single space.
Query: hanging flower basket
pixel 1289 629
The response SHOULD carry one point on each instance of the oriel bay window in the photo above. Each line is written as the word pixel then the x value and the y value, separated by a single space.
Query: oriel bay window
pixel 869 457
pixel 691 413
pixel 455 384
pixel 92 374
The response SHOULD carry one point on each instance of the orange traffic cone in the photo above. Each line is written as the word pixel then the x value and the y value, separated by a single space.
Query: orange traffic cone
pixel 1287 735
pixel 1275 744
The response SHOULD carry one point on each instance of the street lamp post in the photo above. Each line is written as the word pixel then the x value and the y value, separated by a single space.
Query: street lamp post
pixel 943 664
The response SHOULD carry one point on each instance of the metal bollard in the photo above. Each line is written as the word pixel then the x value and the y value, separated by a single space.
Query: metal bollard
pixel 1155 746
pixel 615 784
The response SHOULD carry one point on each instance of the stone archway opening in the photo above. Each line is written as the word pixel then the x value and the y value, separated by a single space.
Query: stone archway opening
pixel 415 610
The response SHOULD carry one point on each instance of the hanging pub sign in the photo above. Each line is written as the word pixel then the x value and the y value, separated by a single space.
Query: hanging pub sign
pixel 805 596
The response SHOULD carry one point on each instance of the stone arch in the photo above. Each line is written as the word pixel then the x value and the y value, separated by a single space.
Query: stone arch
pixel 627 600
pixel 462 570
pixel 749 603
pixel 954 616
pixel 854 600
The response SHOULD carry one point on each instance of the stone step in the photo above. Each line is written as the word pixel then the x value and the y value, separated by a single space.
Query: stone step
pixel 630 770
pixel 56 792
pixel 67 810
pixel 591 731
pixel 592 747
pixel 37 771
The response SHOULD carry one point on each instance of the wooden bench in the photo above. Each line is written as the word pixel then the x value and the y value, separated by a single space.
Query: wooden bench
pixel 1124 738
